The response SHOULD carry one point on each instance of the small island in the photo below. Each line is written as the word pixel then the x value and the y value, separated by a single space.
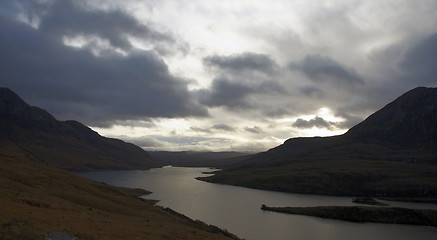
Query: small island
pixel 392 215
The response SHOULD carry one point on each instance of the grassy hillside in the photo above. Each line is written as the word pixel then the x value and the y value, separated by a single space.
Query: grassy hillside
pixel 36 199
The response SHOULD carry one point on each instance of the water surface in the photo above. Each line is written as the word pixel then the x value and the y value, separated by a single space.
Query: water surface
pixel 237 209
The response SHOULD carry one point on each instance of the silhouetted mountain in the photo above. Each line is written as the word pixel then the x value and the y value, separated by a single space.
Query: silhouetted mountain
pixel 410 121
pixel 64 144
pixel 404 129
pixel 391 153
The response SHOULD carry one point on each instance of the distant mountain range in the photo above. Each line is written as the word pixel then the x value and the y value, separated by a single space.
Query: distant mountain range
pixel 63 144
pixel 393 153
pixel 200 159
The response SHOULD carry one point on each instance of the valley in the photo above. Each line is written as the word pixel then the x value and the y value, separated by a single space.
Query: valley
pixel 390 155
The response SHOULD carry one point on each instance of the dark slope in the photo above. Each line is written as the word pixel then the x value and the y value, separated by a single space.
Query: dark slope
pixel 410 121
pixel 36 199
pixel 391 153
pixel 64 144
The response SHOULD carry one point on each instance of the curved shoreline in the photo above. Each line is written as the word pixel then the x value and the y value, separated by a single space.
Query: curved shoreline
pixel 391 215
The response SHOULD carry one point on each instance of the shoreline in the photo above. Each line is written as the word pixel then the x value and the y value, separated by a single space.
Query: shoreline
pixel 211 179
pixel 361 214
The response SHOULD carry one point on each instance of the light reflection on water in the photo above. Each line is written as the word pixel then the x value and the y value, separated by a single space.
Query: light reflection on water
pixel 237 209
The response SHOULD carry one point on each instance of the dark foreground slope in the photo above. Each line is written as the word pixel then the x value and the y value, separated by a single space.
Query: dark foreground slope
pixel 63 144
pixel 36 199
pixel 392 153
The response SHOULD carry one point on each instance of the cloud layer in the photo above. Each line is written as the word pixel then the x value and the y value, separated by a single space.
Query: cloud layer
pixel 75 83
pixel 322 69
pixel 229 75
pixel 247 61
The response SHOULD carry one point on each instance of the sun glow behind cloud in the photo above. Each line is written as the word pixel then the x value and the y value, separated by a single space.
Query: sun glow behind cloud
pixel 202 134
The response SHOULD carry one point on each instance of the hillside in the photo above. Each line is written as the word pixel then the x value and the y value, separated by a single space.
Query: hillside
pixel 409 122
pixel 63 144
pixel 36 200
pixel 392 153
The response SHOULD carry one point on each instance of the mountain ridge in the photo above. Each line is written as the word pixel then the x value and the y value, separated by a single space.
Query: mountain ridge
pixel 388 137
pixel 63 144
pixel 392 153
pixel 412 115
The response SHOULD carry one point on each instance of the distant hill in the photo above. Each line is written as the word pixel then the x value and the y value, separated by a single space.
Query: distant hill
pixel 200 159
pixel 393 153
pixel 63 144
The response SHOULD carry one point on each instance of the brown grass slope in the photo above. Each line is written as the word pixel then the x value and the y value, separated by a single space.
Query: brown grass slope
pixel 63 144
pixel 36 199
pixel 392 153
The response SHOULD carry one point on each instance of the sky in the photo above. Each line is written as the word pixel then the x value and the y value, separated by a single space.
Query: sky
pixel 227 75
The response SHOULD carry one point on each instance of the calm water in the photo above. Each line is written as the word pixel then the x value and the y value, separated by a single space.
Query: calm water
pixel 237 209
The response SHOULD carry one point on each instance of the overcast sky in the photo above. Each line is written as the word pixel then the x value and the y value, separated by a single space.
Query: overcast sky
pixel 223 75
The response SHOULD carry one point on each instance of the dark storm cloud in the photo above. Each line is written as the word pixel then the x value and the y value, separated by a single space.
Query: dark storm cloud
pixel 224 92
pixel 277 111
pixel 242 62
pixel 68 18
pixel 30 8
pixel 242 80
pixel 315 122
pixel 223 127
pixel 420 62
pixel 321 68
pixel 312 91
pixel 234 94
pixel 74 83
pixel 349 120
